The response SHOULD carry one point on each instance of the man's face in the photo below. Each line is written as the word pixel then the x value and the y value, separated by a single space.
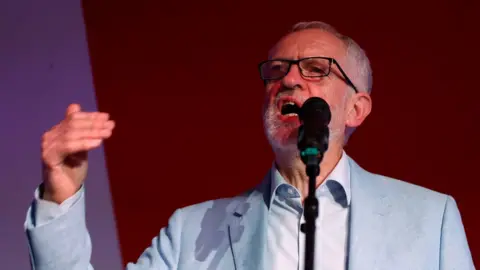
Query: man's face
pixel 281 130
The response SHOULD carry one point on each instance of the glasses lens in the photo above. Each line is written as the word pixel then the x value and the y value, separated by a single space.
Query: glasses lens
pixel 315 67
pixel 274 69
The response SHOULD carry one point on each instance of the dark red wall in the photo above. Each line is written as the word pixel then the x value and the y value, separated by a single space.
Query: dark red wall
pixel 181 81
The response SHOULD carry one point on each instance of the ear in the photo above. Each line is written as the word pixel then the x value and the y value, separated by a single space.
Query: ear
pixel 359 108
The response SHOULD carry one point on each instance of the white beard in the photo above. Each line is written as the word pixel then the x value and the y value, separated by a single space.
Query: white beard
pixel 278 133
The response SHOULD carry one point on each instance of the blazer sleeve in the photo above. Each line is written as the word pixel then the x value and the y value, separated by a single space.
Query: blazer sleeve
pixel 454 249
pixel 57 235
pixel 58 238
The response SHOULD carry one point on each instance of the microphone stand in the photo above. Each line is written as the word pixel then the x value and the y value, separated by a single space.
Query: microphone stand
pixel 312 156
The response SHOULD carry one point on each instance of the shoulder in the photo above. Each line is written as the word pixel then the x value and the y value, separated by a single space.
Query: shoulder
pixel 398 191
pixel 214 212
pixel 406 189
pixel 221 205
pixel 204 222
pixel 219 212
pixel 253 198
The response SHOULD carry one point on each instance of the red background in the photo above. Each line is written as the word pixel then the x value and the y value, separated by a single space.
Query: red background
pixel 181 77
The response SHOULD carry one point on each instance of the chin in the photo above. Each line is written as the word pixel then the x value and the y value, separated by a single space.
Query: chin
pixel 281 131
pixel 282 138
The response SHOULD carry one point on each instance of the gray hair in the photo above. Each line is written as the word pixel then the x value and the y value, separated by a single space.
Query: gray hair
pixel 354 52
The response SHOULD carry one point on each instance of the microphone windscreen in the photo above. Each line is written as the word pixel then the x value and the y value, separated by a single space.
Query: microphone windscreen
pixel 315 110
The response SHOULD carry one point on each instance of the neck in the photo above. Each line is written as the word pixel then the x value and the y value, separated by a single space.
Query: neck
pixel 292 168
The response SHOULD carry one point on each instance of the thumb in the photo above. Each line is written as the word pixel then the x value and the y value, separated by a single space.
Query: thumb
pixel 72 108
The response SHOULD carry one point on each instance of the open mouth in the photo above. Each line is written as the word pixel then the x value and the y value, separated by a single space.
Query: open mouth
pixel 289 108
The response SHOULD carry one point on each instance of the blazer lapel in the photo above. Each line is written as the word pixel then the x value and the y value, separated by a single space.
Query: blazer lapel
pixel 247 229
pixel 369 222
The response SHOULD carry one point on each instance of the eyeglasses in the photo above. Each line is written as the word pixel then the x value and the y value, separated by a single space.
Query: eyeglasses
pixel 310 67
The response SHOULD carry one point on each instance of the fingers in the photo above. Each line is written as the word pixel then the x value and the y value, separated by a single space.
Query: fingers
pixel 79 131
pixel 70 134
pixel 85 130
pixel 90 116
pixel 75 146
pixel 82 126
pixel 87 124
pixel 92 126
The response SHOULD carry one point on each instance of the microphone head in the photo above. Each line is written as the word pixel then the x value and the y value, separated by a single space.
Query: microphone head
pixel 315 110
pixel 313 133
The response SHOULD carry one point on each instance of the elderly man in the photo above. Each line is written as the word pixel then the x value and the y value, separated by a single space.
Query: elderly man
pixel 366 221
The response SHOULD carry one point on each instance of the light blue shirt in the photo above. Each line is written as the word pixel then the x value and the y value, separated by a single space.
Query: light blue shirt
pixel 285 241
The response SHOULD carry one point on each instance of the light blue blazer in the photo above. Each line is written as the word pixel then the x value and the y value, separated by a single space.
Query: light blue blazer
pixel 393 225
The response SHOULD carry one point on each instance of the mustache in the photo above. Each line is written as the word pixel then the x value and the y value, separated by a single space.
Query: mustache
pixel 290 94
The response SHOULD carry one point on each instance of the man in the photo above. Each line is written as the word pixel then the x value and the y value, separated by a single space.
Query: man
pixel 366 221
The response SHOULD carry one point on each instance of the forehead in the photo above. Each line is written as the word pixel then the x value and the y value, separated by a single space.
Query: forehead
pixel 308 43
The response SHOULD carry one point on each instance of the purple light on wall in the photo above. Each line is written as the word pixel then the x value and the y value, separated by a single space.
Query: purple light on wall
pixel 44 66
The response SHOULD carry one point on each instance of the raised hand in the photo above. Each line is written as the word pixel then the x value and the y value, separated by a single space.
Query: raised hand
pixel 65 147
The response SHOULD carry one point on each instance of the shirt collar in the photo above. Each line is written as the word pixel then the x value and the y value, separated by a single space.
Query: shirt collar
pixel 336 184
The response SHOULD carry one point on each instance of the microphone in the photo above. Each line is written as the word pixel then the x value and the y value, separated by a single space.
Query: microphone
pixel 313 133
pixel 312 143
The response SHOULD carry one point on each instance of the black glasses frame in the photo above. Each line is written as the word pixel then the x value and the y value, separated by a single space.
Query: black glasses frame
pixel 296 62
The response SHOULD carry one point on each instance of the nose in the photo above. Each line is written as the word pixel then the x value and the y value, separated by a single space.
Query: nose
pixel 293 79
